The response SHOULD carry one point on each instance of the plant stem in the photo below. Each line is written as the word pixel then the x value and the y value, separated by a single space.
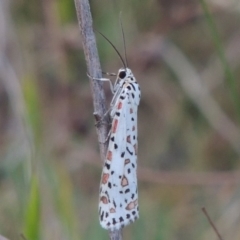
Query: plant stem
pixel 94 70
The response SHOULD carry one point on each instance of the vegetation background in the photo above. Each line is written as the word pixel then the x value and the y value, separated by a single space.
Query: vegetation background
pixel 185 55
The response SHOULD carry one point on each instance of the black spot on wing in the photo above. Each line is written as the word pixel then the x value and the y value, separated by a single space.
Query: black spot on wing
pixel 133 86
pixel 131 153
pixel 102 215
pixel 127 190
pixel 107 165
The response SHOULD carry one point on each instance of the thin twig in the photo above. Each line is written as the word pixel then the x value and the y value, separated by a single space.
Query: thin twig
pixel 93 66
pixel 211 223
pixel 94 70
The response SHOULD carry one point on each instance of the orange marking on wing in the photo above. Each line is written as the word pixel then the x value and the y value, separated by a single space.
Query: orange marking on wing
pixel 124 181
pixel 114 125
pixel 135 148
pixel 128 139
pixel 109 155
pixel 105 178
pixel 119 106
pixel 104 200
pixel 112 210
pixel 127 161
pixel 132 205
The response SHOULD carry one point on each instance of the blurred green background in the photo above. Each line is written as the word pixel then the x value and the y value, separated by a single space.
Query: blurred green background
pixel 185 55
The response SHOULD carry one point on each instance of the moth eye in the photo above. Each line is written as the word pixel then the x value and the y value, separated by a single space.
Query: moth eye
pixel 122 74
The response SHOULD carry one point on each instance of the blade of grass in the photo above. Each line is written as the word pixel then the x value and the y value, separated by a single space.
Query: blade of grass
pixel 231 81
pixel 31 227
pixel 32 102
pixel 63 196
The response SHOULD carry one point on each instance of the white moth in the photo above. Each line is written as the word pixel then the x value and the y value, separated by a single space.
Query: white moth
pixel 118 201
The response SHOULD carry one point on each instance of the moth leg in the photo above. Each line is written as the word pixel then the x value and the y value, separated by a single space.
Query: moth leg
pixel 109 74
pixel 103 80
pixel 107 138
pixel 99 120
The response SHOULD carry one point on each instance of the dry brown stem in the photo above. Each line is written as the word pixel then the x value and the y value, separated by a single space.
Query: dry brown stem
pixel 94 70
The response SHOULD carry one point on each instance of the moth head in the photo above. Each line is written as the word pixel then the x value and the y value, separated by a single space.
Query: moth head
pixel 126 73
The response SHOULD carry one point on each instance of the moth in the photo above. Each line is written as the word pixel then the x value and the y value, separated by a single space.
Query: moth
pixel 118 198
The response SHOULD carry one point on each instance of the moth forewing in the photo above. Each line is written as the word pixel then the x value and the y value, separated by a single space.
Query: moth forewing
pixel 118 200
pixel 118 204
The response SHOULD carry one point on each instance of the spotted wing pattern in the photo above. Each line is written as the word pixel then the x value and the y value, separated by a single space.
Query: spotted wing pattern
pixel 118 202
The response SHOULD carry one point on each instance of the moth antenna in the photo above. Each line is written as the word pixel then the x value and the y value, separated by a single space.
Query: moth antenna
pixel 123 36
pixel 124 64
